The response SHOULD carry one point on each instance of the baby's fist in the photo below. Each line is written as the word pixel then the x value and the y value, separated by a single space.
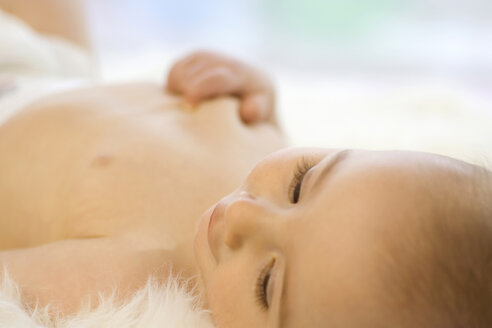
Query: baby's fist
pixel 203 75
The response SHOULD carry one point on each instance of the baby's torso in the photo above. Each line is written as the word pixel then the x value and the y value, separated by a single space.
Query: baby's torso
pixel 120 160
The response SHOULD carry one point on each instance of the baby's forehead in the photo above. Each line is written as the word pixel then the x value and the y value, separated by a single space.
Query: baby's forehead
pixel 381 193
pixel 403 171
pixel 372 198
pixel 404 160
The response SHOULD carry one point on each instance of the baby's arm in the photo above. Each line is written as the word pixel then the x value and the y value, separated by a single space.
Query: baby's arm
pixel 202 75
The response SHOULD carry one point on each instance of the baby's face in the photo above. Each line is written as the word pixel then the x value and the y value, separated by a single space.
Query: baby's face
pixel 306 249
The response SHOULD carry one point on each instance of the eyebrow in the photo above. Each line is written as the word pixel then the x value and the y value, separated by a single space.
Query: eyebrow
pixel 328 168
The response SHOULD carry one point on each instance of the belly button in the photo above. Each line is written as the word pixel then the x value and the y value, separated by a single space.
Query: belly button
pixel 102 161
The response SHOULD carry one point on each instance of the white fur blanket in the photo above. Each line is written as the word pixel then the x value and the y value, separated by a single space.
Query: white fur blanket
pixel 163 306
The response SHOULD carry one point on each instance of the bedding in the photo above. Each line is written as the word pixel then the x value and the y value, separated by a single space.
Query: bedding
pixel 33 65
pixel 165 306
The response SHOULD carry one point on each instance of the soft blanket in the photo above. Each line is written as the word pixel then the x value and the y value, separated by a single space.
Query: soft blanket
pixel 155 305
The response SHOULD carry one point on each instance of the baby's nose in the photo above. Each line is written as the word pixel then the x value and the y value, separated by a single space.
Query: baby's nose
pixel 243 219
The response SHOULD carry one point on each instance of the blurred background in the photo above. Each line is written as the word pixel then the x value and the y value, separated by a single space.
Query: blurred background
pixel 377 74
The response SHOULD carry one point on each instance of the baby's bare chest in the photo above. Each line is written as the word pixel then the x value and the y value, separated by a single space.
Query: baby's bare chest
pixel 76 174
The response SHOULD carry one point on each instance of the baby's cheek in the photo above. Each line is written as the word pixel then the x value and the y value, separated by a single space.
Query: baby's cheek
pixel 223 298
pixel 231 299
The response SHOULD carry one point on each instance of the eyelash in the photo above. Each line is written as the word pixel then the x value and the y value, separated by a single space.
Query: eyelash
pixel 262 285
pixel 303 166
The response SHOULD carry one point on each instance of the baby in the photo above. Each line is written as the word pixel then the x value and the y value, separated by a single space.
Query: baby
pixel 110 182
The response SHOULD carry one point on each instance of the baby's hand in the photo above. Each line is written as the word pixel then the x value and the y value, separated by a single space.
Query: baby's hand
pixel 202 75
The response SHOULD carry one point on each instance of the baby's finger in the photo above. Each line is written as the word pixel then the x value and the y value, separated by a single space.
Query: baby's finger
pixel 256 107
pixel 181 71
pixel 212 82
